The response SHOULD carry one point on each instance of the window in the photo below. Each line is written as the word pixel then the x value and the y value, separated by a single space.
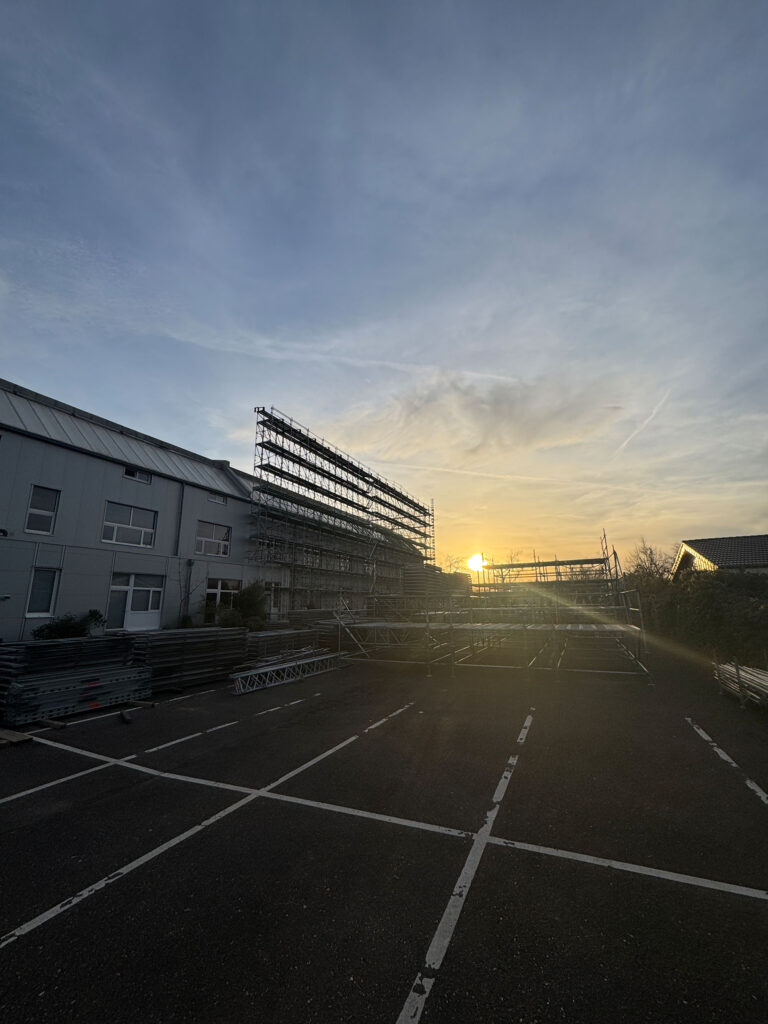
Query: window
pixel 137 592
pixel 42 592
pixel 41 514
pixel 220 499
pixel 138 474
pixel 219 594
pixel 124 524
pixel 212 539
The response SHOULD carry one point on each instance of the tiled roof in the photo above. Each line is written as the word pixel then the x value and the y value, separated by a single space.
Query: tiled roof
pixel 30 413
pixel 733 552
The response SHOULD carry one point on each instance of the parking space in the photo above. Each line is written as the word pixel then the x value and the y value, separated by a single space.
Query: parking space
pixel 374 844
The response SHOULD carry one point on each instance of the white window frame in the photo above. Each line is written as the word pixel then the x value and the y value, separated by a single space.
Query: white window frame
pixel 31 510
pixel 220 499
pixel 130 588
pixel 213 547
pixel 54 593
pixel 140 475
pixel 145 530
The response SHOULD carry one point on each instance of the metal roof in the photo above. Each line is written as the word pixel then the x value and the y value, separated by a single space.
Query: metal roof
pixel 31 413
pixel 732 552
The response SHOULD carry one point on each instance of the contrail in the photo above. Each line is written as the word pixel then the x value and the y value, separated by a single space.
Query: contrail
pixel 643 425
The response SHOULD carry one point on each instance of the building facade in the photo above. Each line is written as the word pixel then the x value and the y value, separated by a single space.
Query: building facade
pixel 94 515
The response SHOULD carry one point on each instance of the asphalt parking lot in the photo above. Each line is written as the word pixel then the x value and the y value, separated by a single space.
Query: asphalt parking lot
pixel 375 845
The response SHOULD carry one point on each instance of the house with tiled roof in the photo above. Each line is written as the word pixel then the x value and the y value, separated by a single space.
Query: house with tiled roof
pixel 745 554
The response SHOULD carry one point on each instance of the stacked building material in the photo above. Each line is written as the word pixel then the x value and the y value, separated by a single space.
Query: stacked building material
pixel 277 641
pixel 191 657
pixel 748 684
pixel 52 678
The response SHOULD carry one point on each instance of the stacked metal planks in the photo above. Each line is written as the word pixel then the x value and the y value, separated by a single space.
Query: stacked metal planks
pixel 180 658
pixel 51 678
pixel 748 684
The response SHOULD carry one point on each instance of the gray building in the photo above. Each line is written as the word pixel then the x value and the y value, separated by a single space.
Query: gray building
pixel 96 515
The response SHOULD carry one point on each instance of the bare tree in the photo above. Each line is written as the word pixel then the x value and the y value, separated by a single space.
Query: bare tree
pixel 646 562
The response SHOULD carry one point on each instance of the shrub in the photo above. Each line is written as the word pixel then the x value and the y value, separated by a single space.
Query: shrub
pixel 69 625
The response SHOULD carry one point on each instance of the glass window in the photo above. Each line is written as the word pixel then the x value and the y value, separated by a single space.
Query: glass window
pixel 143 517
pixel 140 601
pixel 42 592
pixel 138 474
pixel 118 513
pixel 219 594
pixel 116 609
pixel 41 514
pixel 124 524
pixel 212 539
pixel 220 499
pixel 121 579
pixel 143 579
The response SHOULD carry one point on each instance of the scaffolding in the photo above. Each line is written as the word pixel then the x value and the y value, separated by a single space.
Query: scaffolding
pixel 564 616
pixel 342 533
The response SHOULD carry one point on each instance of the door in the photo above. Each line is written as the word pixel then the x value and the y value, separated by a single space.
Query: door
pixel 135 601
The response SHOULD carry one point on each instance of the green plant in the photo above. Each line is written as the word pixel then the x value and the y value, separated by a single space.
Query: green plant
pixel 70 625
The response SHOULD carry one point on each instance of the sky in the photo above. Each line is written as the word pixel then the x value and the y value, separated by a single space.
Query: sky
pixel 510 255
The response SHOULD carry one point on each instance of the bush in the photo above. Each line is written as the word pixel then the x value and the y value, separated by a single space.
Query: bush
pixel 249 608
pixel 723 614
pixel 69 625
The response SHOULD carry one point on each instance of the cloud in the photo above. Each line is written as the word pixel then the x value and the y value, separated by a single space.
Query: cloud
pixel 645 422
pixel 467 421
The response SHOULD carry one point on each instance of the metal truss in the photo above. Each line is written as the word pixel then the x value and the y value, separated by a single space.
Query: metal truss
pixel 274 673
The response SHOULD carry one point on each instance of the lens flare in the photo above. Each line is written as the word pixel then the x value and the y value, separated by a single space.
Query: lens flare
pixel 476 563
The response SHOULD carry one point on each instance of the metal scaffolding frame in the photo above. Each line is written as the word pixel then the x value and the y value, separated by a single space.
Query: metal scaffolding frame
pixel 563 616
pixel 343 532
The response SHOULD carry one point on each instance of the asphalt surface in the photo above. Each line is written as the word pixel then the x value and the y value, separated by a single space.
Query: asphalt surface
pixel 377 845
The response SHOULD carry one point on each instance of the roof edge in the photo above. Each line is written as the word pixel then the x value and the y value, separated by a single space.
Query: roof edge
pixel 53 403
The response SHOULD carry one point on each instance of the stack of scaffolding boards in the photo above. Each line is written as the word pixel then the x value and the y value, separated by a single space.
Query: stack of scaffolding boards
pixel 278 641
pixel 748 684
pixel 51 678
pixel 180 658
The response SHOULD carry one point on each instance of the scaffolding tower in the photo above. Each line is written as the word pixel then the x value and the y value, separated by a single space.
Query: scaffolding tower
pixel 343 533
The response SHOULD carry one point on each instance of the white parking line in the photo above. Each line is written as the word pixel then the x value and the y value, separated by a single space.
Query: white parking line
pixel 320 757
pixel 386 718
pixel 355 812
pixel 172 743
pixel 53 912
pixel 425 979
pixel 637 869
pixel 526 726
pixel 55 782
pixel 749 783
pixel 251 794
pixel 186 696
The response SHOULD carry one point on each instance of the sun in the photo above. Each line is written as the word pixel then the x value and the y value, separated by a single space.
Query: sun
pixel 476 563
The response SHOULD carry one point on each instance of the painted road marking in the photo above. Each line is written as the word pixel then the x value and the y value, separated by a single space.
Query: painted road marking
pixel 315 760
pixel 172 743
pixel 55 782
pixel 381 721
pixel 252 794
pixel 355 812
pixel 637 869
pixel 749 783
pixel 53 912
pixel 186 696
pixel 526 727
pixel 425 979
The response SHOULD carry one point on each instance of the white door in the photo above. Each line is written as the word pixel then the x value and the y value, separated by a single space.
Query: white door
pixel 135 601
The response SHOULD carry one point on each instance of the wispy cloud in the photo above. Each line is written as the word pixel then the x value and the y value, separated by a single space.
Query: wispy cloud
pixel 651 416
